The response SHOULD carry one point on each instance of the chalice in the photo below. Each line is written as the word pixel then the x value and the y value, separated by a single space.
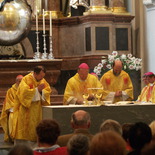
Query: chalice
pixel 98 96
pixel 85 97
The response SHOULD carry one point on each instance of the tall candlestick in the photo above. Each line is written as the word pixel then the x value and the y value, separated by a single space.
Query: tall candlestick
pixel 43 22
pixel 50 23
pixel 36 19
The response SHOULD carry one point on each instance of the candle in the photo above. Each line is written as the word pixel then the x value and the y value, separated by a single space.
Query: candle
pixel 43 22
pixel 50 23
pixel 36 19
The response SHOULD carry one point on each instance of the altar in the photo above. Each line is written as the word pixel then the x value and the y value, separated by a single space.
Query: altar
pixel 122 113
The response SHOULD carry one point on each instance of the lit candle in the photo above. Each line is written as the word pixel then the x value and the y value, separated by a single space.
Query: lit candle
pixel 36 19
pixel 50 23
pixel 43 22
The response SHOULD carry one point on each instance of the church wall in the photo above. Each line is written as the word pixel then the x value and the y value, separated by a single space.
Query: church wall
pixel 71 41
pixel 150 36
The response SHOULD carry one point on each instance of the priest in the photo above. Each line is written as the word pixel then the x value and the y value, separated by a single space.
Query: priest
pixel 32 93
pixel 117 84
pixel 82 83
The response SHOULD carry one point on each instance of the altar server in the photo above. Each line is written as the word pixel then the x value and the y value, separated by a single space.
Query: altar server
pixel 7 110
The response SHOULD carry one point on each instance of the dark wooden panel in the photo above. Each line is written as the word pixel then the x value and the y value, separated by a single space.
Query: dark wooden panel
pixel 122 39
pixel 88 38
pixel 102 38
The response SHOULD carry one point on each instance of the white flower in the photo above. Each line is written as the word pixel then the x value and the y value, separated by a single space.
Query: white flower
pixel 111 58
pixel 123 56
pixel 131 67
pixel 115 53
pixel 129 63
pixel 109 66
pixel 129 55
pixel 100 65
pixel 103 61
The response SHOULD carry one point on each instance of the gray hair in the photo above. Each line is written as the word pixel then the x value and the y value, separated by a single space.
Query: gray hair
pixel 78 145
pixel 110 124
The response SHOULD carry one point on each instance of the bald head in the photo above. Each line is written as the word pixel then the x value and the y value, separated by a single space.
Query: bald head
pixel 117 67
pixel 80 119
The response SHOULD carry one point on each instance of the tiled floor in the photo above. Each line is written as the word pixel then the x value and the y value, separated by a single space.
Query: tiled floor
pixel 4 147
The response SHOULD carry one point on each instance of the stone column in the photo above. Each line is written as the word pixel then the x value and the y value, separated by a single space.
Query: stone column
pixel 118 6
pixel 97 7
pixel 52 5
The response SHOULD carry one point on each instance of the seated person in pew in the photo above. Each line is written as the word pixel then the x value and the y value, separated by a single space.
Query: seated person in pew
pixel 7 110
pixel 78 145
pixel 48 131
pixel 107 143
pixel 117 84
pixel 80 122
pixel 147 93
pixel 82 83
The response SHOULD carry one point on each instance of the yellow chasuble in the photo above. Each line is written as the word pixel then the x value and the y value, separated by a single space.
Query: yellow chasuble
pixel 76 88
pixel 28 108
pixel 7 105
pixel 112 83
pixel 143 95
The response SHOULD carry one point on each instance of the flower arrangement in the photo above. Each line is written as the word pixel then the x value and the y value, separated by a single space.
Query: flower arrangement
pixel 129 63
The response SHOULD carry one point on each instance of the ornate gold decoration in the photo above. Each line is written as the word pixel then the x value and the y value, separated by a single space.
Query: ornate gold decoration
pixel 98 10
pixel 120 10
pixel 55 14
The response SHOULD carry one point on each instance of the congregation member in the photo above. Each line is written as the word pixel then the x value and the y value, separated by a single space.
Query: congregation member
pixel 21 149
pixel 107 143
pixel 149 149
pixel 48 131
pixel 7 110
pixel 139 136
pixel 80 84
pixel 152 126
pixel 78 145
pixel 125 134
pixel 147 93
pixel 111 125
pixel 117 84
pixel 80 122
pixel 32 93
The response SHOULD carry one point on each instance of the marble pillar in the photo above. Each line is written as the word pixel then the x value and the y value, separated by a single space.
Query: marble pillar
pixel 52 5
pixel 97 7
pixel 118 7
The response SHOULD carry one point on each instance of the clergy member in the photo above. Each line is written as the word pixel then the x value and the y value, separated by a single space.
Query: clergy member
pixel 32 93
pixel 143 93
pixel 7 110
pixel 117 84
pixel 148 94
pixel 81 84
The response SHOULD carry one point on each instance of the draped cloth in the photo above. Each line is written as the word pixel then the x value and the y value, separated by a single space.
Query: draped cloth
pixel 6 115
pixel 112 83
pixel 28 107
pixel 75 87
